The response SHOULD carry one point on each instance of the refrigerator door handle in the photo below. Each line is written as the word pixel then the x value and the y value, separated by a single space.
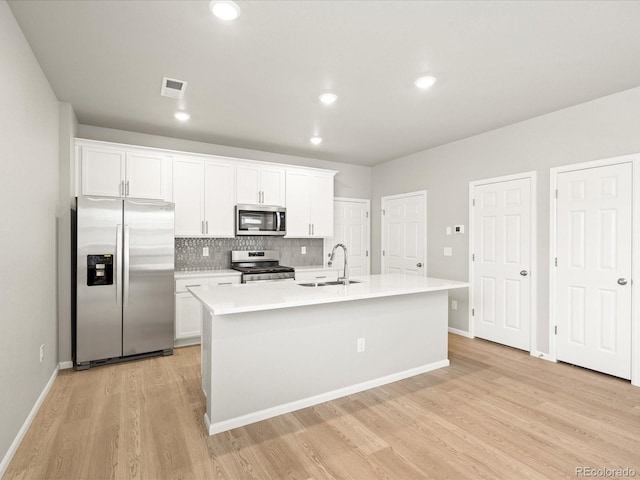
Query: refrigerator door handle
pixel 118 265
pixel 125 267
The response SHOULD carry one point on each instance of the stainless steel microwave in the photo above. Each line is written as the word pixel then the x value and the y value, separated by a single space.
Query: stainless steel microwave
pixel 260 220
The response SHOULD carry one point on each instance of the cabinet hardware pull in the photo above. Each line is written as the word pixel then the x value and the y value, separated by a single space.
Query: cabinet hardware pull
pixel 127 189
pixel 224 283
pixel 206 228
pixel 202 226
pixel 187 286
pixel 313 229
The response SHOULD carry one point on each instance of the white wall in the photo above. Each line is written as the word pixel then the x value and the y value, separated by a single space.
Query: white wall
pixel 603 128
pixel 352 180
pixel 28 199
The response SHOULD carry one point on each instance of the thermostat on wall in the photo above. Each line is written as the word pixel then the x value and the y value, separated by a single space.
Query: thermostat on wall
pixel 458 229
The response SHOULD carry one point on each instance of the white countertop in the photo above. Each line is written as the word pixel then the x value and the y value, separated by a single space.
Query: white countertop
pixel 205 273
pixel 254 297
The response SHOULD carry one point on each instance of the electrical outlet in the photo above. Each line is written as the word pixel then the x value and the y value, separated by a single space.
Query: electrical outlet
pixel 458 229
pixel 361 345
pixel 303 250
pixel 454 304
pixel 41 353
pixel 205 251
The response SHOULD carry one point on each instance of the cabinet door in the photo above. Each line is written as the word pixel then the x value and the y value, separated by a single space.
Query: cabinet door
pixel 321 205
pixel 224 280
pixel 145 176
pixel 219 199
pixel 272 185
pixel 328 274
pixel 188 186
pixel 188 316
pixel 298 223
pixel 248 185
pixel 102 171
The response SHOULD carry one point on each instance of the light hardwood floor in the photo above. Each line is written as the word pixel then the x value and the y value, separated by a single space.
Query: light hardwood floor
pixel 494 413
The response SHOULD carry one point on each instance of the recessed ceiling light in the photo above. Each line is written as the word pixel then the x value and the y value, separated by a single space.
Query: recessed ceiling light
pixel 328 98
pixel 225 9
pixel 425 82
pixel 316 140
pixel 182 116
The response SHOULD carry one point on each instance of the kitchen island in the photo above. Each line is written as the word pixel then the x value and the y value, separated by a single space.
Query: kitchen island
pixel 272 348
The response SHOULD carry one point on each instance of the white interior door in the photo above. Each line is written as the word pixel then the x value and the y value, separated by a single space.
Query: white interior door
pixel 593 287
pixel 404 233
pixel 502 238
pixel 351 228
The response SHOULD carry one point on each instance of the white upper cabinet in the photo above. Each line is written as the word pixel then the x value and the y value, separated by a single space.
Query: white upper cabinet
pixel 219 199
pixel 204 195
pixel 188 196
pixel 121 172
pixel 263 185
pixel 309 196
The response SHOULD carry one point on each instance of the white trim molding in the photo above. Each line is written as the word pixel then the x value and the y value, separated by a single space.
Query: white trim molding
pixel 533 312
pixel 27 423
pixel 634 159
pixel 462 333
pixel 65 365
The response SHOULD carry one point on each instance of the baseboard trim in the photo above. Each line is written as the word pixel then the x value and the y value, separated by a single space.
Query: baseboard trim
pixel 27 423
pixel 462 333
pixel 543 356
pixel 186 342
pixel 223 426
pixel 65 365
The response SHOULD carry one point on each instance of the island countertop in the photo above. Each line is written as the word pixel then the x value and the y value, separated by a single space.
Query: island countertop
pixel 254 297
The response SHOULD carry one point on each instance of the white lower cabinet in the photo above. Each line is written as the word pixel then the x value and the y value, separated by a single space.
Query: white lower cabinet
pixel 318 275
pixel 189 310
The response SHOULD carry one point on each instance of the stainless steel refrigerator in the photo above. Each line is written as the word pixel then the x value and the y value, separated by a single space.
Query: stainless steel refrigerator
pixel 124 280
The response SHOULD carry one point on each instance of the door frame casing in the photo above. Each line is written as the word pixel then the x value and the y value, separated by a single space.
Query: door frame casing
pixel 382 224
pixel 533 269
pixel 634 159
pixel 365 201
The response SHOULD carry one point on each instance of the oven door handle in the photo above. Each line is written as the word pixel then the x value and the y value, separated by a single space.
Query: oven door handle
pixel 271 280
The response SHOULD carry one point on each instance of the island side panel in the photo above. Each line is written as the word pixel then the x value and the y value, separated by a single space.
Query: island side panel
pixel 260 364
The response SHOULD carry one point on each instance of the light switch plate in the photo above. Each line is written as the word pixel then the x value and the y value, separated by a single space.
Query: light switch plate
pixel 205 251
pixel 303 250
pixel 448 251
pixel 454 304
pixel 448 230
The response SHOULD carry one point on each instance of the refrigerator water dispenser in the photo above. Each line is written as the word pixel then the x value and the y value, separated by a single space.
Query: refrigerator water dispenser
pixel 99 270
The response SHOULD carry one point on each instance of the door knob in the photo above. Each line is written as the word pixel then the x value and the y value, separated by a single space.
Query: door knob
pixel 524 273
pixel 622 281
pixel 418 264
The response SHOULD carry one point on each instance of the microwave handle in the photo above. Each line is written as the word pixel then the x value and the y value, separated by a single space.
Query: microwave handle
pixel 277 221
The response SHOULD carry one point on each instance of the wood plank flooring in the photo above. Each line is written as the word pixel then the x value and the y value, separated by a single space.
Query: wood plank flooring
pixel 495 413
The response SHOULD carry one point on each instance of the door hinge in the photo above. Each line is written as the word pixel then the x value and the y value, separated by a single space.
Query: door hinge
pixel 383 254
pixel 367 214
pixel 555 261
pixel 383 212
pixel 556 193
pixel 367 253
pixel 473 312
pixel 473 202
pixel 473 257
pixel 555 329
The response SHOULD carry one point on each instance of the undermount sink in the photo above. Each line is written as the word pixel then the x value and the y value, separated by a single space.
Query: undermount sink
pixel 324 284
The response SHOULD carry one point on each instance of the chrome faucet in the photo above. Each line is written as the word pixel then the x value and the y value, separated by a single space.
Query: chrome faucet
pixel 345 277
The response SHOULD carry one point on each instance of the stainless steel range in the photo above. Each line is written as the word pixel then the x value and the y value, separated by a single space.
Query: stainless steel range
pixel 261 266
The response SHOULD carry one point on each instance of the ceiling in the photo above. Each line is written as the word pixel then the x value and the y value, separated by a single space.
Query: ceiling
pixel 254 82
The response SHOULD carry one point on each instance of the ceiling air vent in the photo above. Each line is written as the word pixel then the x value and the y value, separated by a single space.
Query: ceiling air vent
pixel 173 88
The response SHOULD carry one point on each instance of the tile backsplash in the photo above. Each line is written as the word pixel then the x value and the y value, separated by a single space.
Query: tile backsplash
pixel 189 255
